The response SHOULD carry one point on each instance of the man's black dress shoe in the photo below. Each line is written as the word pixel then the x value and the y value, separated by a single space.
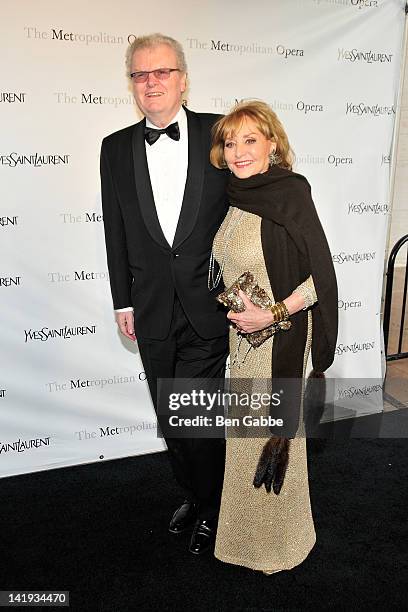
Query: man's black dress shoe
pixel 184 517
pixel 203 536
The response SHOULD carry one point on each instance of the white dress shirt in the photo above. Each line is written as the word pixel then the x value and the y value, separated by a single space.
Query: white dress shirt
pixel 167 160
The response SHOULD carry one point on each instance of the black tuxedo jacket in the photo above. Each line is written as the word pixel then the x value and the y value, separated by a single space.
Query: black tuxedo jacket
pixel 145 271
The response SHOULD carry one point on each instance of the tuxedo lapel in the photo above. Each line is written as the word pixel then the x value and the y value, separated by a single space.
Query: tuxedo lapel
pixel 194 182
pixel 143 186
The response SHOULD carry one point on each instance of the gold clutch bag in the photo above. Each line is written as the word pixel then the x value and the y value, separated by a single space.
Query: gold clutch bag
pixel 259 297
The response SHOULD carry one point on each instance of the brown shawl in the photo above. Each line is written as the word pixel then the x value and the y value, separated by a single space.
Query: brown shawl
pixel 294 246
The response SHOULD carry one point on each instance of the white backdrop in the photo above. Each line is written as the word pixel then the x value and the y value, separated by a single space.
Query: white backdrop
pixel 71 390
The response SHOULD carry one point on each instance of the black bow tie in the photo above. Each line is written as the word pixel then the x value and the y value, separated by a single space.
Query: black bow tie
pixel 153 134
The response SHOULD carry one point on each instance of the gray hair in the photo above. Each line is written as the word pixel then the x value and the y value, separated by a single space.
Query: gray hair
pixel 153 40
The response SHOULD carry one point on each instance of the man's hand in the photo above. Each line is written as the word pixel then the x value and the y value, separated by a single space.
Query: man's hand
pixel 126 324
pixel 252 319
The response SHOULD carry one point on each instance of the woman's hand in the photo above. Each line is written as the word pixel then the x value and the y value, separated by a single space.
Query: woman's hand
pixel 252 319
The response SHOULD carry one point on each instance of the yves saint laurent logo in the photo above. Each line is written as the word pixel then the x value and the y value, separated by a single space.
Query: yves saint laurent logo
pixel 7 221
pixel 370 110
pixel 367 56
pixel 12 97
pixel 64 333
pixel 354 391
pixel 355 347
pixel 10 281
pixel 19 446
pixel 358 257
pixel 373 208
pixel 34 159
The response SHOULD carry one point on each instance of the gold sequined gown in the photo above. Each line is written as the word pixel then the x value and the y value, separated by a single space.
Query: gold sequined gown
pixel 256 529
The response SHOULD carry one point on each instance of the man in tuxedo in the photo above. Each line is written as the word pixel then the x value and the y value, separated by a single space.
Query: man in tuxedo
pixel 162 205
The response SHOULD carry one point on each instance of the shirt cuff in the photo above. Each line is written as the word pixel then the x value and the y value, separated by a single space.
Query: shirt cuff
pixel 308 292
pixel 127 309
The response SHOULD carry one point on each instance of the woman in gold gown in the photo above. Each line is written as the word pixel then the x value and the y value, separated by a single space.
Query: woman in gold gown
pixel 271 230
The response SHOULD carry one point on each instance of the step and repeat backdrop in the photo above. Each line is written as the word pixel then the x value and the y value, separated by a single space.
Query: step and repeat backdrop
pixel 71 389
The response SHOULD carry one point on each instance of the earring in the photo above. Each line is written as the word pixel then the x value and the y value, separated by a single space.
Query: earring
pixel 273 158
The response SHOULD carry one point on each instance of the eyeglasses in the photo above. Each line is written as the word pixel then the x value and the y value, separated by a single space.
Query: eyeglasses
pixel 161 73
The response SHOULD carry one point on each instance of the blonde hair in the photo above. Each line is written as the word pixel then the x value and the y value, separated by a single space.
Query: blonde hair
pixel 265 120
pixel 153 40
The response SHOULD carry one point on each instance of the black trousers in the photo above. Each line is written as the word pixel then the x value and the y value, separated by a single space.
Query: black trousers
pixel 198 464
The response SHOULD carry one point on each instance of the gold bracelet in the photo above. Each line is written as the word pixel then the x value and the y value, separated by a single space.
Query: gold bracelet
pixel 280 312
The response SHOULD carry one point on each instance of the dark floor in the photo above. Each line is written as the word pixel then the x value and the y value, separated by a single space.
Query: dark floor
pixel 100 531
